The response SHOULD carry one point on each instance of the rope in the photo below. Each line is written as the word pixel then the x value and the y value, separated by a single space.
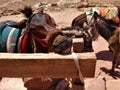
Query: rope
pixel 76 61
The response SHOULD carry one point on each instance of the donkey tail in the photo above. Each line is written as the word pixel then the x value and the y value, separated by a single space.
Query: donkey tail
pixel 27 11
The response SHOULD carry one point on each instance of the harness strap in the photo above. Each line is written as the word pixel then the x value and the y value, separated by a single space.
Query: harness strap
pixel 90 20
pixel 76 61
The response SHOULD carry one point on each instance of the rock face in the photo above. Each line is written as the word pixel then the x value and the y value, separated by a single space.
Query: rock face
pixel 68 1
pixel 11 7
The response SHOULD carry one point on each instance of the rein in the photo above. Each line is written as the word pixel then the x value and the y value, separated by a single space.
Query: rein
pixel 90 20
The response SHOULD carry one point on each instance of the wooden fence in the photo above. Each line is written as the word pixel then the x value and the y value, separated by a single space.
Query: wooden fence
pixel 47 65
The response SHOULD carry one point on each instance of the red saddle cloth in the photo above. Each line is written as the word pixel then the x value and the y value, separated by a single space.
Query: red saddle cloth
pixel 25 43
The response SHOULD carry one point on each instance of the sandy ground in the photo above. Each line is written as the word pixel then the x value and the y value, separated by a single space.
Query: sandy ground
pixel 64 18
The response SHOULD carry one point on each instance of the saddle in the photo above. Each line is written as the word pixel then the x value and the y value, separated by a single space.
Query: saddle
pixel 8 36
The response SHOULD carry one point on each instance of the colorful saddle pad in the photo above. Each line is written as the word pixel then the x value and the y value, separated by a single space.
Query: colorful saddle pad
pixel 8 36
pixel 109 13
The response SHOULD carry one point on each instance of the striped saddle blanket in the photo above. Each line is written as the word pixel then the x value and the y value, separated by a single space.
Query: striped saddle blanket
pixel 8 36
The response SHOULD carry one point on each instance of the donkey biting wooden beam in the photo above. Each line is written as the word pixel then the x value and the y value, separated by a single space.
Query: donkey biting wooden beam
pixel 46 65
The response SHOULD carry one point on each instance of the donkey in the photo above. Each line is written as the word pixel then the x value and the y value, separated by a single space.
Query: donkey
pixel 79 28
pixel 32 33
pixel 87 17
pixel 111 33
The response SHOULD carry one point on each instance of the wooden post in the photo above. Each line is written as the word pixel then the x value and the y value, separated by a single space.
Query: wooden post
pixel 78 45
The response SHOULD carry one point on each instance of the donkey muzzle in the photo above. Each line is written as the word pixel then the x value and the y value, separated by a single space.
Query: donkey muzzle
pixel 63 46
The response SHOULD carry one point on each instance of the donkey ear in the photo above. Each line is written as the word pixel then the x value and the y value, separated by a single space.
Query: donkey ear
pixel 95 15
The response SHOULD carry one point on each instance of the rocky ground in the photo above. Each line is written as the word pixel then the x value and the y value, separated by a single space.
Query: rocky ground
pixel 63 17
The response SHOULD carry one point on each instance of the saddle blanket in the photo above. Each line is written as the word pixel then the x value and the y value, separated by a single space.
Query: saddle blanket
pixel 8 36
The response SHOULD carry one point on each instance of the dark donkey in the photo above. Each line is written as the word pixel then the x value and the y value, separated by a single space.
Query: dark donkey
pixel 111 33
pixel 88 18
pixel 32 39
pixel 79 28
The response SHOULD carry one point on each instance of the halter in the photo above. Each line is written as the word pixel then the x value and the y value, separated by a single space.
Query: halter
pixel 60 44
pixel 89 23
pixel 90 20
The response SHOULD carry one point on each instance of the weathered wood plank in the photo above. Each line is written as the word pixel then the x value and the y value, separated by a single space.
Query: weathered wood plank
pixel 46 65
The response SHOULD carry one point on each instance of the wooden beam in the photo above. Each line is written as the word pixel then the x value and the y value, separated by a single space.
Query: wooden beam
pixel 78 45
pixel 46 65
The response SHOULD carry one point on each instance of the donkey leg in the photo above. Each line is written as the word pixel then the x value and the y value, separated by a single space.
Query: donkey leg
pixel 115 62
pixel 118 60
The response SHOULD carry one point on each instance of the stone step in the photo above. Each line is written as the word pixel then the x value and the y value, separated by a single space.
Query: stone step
pixel 113 84
pixel 94 84
pixel 100 84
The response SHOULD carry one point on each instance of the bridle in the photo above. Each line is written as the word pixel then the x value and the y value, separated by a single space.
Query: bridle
pixel 92 23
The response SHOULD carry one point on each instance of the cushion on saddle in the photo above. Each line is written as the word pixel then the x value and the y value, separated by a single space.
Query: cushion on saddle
pixel 8 36
pixel 4 23
pixel 12 40
pixel 110 13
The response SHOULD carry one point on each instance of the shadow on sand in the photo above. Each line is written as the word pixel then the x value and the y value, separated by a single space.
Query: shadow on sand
pixel 115 74
pixel 107 55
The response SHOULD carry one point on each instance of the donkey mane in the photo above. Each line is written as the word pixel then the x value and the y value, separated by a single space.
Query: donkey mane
pixel 79 20
pixel 27 11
